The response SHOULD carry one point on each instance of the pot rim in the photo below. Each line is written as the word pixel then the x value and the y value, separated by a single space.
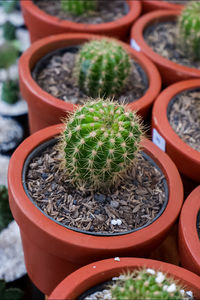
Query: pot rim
pixel 159 116
pixel 48 44
pixel 95 273
pixel 30 218
pixel 137 34
pixel 163 4
pixel 188 226
pixel 135 8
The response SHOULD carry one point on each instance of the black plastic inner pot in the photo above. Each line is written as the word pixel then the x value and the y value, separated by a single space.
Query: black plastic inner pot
pixel 51 143
pixel 198 224
pixel 43 62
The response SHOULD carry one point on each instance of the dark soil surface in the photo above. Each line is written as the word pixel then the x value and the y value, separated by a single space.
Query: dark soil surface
pixel 184 117
pixel 136 202
pixel 57 79
pixel 107 11
pixel 163 38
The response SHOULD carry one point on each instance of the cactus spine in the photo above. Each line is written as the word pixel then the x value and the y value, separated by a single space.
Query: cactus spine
pixel 147 284
pixel 100 143
pixel 102 68
pixel 78 7
pixel 189 30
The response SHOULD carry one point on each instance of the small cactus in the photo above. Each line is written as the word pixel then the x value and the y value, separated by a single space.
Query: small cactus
pixel 189 30
pixel 9 31
pixel 9 5
pixel 102 68
pixel 10 91
pixel 10 293
pixel 147 284
pixel 5 213
pixel 100 142
pixel 78 7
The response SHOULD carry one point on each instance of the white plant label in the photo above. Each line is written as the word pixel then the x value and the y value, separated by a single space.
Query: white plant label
pixel 158 140
pixel 134 45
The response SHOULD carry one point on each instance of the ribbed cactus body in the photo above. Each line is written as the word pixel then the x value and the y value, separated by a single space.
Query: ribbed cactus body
pixel 9 31
pixel 189 30
pixel 144 285
pixel 102 68
pixel 78 7
pixel 10 91
pixel 100 141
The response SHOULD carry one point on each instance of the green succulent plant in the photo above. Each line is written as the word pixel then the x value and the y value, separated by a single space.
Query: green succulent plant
pixel 10 293
pixel 102 68
pixel 100 143
pixel 10 91
pixel 147 284
pixel 5 213
pixel 9 5
pixel 189 30
pixel 9 31
pixel 78 7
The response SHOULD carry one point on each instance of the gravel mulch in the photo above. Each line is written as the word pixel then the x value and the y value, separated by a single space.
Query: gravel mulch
pixel 162 38
pixel 56 79
pixel 107 11
pixel 136 202
pixel 184 117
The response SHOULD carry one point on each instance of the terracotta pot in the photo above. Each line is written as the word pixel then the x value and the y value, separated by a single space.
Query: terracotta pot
pixel 189 240
pixel 186 158
pixel 87 277
pixel 46 110
pixel 41 25
pixel 151 5
pixel 53 251
pixel 170 71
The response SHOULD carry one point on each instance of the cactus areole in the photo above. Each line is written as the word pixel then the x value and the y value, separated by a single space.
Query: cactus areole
pixel 101 141
pixel 102 68
pixel 189 30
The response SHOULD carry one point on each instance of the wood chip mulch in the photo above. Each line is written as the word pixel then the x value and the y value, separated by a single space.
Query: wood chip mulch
pixel 162 37
pixel 136 202
pixel 107 11
pixel 184 117
pixel 56 79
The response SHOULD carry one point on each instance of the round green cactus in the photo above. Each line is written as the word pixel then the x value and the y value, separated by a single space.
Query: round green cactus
pixel 78 7
pixel 102 68
pixel 9 31
pixel 100 143
pixel 189 30
pixel 5 213
pixel 147 284
pixel 10 91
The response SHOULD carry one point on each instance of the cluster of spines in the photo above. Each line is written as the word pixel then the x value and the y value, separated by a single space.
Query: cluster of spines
pixel 147 284
pixel 189 30
pixel 78 7
pixel 100 143
pixel 102 68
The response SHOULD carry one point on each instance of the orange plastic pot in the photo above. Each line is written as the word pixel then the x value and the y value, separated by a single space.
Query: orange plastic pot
pixel 150 5
pixel 170 71
pixel 46 110
pixel 189 240
pixel 53 251
pixel 186 158
pixel 94 274
pixel 41 25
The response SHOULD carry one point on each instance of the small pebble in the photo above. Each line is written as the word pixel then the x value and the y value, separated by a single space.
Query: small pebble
pixel 100 198
pixel 117 258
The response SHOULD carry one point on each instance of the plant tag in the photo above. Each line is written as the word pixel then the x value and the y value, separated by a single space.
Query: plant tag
pixel 158 140
pixel 134 45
